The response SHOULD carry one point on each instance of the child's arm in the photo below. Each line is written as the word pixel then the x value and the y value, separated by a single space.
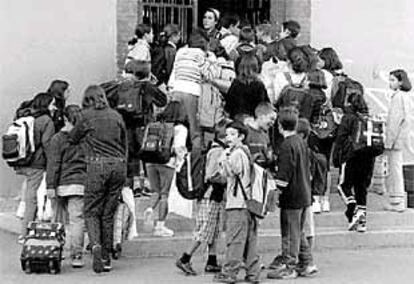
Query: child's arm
pixel 396 118
pixel 53 166
pixel 285 167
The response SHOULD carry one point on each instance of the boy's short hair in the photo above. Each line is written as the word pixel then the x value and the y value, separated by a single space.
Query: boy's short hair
pixel 220 129
pixel 263 108
pixel 240 127
pixel 229 19
pixel 303 127
pixel 288 118
pixel 293 27
pixel 247 34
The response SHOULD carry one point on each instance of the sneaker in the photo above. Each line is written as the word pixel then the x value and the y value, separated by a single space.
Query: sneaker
pixel 20 240
pixel 287 273
pixel 77 261
pixel 358 216
pixel 361 227
pixel 162 231
pixel 307 270
pixel 224 278
pixel 107 265
pixel 350 211
pixel 277 263
pixel 211 268
pixel 316 207
pixel 97 264
pixel 326 206
pixel 116 252
pixel 185 267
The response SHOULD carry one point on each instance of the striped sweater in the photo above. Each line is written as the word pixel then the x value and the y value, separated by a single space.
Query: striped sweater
pixel 191 68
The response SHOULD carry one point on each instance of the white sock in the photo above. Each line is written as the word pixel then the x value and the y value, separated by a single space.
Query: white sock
pixel 160 224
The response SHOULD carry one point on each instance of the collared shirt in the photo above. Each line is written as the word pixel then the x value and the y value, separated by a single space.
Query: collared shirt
pixel 140 51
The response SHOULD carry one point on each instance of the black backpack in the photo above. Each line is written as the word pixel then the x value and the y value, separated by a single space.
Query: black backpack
pixel 296 95
pixel 157 143
pixel 342 87
pixel 190 179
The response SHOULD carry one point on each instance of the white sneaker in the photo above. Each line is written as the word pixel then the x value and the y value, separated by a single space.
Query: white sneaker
pixel 326 206
pixel 316 207
pixel 358 217
pixel 162 231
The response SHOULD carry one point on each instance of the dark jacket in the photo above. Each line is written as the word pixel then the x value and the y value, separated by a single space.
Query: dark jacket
pixel 345 139
pixel 163 61
pixel 44 130
pixel 293 174
pixel 66 163
pixel 103 132
pixel 244 98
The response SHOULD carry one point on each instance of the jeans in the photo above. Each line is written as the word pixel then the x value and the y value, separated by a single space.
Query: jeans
pixel 394 183
pixel 73 205
pixel 160 178
pixel 106 177
pixel 294 243
pixel 34 178
pixel 241 244
pixel 190 104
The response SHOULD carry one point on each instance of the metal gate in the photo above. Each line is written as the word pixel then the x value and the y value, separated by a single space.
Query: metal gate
pixel 159 13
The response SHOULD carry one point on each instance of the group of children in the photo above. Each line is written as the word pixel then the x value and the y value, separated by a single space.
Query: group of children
pixel 268 95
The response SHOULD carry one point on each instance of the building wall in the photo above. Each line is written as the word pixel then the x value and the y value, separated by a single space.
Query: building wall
pixel 369 35
pixel 127 20
pixel 47 39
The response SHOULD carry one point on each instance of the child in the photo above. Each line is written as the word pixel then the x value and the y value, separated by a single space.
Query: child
pixel 241 225
pixel 246 45
pixel 161 175
pixel 258 137
pixel 293 178
pixel 229 32
pixel 65 179
pixel 139 45
pixel 399 124
pixel 318 181
pixel 356 165
pixel 209 210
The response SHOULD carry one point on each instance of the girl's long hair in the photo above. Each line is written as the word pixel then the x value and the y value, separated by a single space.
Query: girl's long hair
pixel 402 77
pixel 247 68
pixel 95 98
pixel 40 104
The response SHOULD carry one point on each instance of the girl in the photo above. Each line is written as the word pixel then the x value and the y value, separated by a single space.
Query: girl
pixel 65 178
pixel 193 66
pixel 58 89
pixel 399 123
pixel 161 175
pixel 139 46
pixel 102 131
pixel 331 67
pixel 247 91
pixel 210 23
pixel 356 165
pixel 42 109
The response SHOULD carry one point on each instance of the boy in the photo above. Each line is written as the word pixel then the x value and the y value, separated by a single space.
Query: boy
pixel 258 138
pixel 293 178
pixel 241 234
pixel 210 208
pixel 280 48
pixel 229 32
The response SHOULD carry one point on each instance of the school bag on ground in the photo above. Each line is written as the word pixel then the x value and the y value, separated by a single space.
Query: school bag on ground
pixel 157 143
pixel 342 87
pixel 190 178
pixel 18 145
pixel 296 95
pixel 43 247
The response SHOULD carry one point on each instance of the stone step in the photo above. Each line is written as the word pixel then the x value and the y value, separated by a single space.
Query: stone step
pixel 270 242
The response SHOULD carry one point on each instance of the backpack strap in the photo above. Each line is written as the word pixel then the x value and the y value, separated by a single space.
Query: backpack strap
pixel 288 77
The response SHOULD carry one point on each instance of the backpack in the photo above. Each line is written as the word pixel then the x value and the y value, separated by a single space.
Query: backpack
pixel 210 107
pixel 296 95
pixel 324 125
pixel 18 145
pixel 370 135
pixel 255 203
pixel 342 87
pixel 130 101
pixel 190 178
pixel 111 91
pixel 157 143
pixel 214 175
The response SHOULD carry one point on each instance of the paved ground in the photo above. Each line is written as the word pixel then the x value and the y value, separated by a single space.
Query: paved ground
pixel 367 266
